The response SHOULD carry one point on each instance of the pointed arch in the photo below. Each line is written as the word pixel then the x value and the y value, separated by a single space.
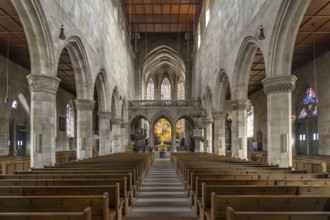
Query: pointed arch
pixel 81 67
pixel 222 92
pixel 242 68
pixel 103 91
pixel 35 27
pixel 115 103
pixel 209 105
pixel 284 36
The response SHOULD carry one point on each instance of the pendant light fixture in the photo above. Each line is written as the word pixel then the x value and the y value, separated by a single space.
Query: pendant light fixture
pixel 261 30
pixel 314 60
pixel 6 97
pixel 62 35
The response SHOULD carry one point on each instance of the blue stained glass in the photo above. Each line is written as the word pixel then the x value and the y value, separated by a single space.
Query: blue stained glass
pixel 309 107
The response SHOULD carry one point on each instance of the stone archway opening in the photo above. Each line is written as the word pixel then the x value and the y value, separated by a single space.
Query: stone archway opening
pixel 163 135
pixel 139 134
pixel 184 128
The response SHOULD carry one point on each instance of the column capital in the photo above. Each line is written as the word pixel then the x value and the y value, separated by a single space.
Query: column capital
pixel 282 83
pixel 104 115
pixel 84 104
pixel 124 125
pixel 43 83
pixel 116 121
pixel 240 104
pixel 207 121
pixel 219 115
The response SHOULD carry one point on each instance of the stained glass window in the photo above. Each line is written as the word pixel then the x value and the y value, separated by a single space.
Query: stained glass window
pixel 180 90
pixel 166 89
pixel 151 90
pixel 309 104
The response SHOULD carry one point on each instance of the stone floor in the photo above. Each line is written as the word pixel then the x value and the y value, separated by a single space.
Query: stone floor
pixel 161 196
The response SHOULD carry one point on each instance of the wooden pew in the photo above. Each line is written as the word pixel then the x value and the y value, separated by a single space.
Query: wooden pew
pixel 86 214
pixel 267 203
pixel 204 201
pixel 231 214
pixel 72 182
pixel 128 176
pixel 98 203
pixel 113 191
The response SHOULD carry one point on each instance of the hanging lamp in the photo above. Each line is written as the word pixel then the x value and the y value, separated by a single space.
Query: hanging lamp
pixel 62 35
pixel 6 97
pixel 261 29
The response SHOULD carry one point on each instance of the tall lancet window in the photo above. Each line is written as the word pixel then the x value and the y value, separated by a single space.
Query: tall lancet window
pixel 180 90
pixel 151 90
pixel 69 121
pixel 250 122
pixel 165 89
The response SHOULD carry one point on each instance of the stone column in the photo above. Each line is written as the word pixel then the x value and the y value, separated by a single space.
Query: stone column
pixel 208 135
pixel 219 119
pixel 104 133
pixel 279 118
pixel 239 132
pixel 125 136
pixel 84 128
pixel 43 119
pixel 173 137
pixel 151 136
pixel 116 135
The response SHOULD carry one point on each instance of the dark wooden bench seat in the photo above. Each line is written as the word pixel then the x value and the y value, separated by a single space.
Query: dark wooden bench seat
pixel 98 203
pixel 265 203
pixel 129 182
pixel 256 215
pixel 113 191
pixel 72 182
pixel 86 214
pixel 203 200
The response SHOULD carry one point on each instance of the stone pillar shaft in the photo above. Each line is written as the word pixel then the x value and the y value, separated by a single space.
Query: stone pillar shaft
pixel 279 122
pixel 151 136
pixel 239 128
pixel 43 119
pixel 219 120
pixel 104 133
pixel 125 136
pixel 116 135
pixel 84 128
pixel 173 137
pixel 208 135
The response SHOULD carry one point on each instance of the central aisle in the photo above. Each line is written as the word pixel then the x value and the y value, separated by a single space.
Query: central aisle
pixel 161 196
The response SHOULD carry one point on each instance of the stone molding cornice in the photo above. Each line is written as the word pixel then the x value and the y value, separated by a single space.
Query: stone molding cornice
pixel 84 104
pixel 124 125
pixel 238 105
pixel 207 121
pixel 116 121
pixel 219 115
pixel 43 83
pixel 285 83
pixel 104 115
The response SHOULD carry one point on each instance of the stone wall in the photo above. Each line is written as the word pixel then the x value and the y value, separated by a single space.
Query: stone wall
pixel 230 23
pixel 306 78
pixel 17 85
pixel 62 140
pixel 101 27
pixel 259 102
